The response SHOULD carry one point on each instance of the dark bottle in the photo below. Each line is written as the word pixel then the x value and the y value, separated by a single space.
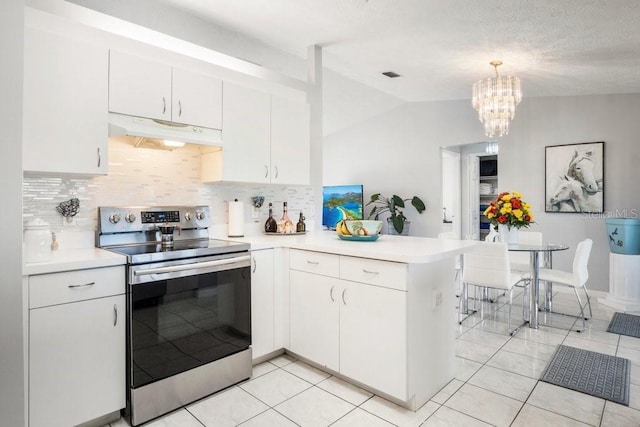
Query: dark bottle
pixel 301 227
pixel 271 226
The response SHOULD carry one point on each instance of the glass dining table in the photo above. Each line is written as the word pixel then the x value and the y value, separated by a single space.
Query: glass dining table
pixel 547 249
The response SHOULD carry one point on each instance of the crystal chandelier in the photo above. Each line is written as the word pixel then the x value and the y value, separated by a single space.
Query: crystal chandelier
pixel 495 99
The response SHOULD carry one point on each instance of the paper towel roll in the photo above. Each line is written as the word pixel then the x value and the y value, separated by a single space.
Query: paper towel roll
pixel 236 219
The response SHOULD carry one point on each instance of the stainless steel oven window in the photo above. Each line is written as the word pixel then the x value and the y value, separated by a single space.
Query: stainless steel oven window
pixel 179 323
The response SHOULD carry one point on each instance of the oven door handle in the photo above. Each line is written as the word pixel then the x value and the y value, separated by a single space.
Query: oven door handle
pixel 194 266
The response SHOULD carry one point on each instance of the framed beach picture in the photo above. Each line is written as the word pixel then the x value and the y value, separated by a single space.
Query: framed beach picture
pixel 574 178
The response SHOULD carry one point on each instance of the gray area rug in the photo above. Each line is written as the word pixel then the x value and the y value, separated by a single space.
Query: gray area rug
pixel 589 372
pixel 625 324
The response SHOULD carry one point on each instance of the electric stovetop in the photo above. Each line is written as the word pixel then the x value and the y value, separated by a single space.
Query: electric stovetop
pixel 181 249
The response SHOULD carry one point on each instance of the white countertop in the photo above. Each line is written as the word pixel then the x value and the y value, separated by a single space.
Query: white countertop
pixel 74 259
pixel 406 249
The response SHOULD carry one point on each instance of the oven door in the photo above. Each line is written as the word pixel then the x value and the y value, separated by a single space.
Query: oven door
pixel 185 314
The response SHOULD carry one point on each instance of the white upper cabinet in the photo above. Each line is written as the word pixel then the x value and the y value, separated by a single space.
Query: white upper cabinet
pixel 266 140
pixel 289 141
pixel 245 133
pixel 146 88
pixel 196 99
pixel 65 127
pixel 139 87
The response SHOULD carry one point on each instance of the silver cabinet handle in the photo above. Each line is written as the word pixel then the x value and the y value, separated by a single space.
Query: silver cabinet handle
pixel 99 157
pixel 370 272
pixel 164 105
pixel 331 294
pixel 312 262
pixel 343 292
pixel 255 264
pixel 115 314
pixel 179 108
pixel 82 286
pixel 276 168
pixel 266 171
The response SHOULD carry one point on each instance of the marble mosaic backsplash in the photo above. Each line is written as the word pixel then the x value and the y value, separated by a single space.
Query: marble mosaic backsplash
pixel 149 177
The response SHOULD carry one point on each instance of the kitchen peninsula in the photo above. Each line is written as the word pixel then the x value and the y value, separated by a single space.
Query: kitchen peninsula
pixel 379 314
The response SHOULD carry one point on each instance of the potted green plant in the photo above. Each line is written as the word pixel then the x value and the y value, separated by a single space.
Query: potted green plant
pixel 394 206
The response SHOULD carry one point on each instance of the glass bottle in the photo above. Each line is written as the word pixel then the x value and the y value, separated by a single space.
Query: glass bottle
pixel 301 227
pixel 271 226
pixel 285 225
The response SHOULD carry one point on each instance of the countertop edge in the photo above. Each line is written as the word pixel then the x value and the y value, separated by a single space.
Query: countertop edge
pixel 74 259
pixel 403 249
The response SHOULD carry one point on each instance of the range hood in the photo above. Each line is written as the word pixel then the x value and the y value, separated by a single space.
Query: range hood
pixel 123 125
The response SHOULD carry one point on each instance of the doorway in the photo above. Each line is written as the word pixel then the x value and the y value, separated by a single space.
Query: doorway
pixel 469 182
pixel 451 192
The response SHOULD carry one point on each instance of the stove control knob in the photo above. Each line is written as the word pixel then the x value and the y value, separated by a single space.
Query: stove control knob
pixel 130 217
pixel 187 216
pixel 114 218
pixel 199 215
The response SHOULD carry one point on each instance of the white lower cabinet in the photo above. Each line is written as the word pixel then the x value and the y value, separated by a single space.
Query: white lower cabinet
pixel 373 337
pixel 262 303
pixel 356 329
pixel 314 318
pixel 77 353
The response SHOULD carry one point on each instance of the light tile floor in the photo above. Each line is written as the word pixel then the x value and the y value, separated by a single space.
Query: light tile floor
pixel 496 383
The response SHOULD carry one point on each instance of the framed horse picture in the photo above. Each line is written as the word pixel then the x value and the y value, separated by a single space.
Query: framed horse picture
pixel 574 178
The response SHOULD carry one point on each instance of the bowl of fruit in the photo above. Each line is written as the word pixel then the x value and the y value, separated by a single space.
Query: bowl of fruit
pixel 359 230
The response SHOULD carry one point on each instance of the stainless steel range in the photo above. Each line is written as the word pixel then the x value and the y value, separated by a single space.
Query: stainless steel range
pixel 188 306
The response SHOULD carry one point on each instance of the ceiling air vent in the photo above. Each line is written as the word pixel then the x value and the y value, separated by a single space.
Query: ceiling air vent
pixel 391 74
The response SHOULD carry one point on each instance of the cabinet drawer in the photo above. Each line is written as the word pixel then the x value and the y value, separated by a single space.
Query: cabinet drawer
pixel 374 272
pixel 314 262
pixel 78 285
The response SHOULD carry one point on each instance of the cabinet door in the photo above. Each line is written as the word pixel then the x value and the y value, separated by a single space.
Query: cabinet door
pixel 139 87
pixel 373 337
pixel 197 99
pixel 76 361
pixel 290 146
pixel 262 303
pixel 245 133
pixel 65 99
pixel 314 318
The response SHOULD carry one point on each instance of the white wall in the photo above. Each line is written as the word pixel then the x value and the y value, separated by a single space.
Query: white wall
pixel 12 397
pixel 398 152
pixel 348 102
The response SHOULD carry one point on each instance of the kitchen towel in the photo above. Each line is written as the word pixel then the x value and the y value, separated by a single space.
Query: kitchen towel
pixel 236 219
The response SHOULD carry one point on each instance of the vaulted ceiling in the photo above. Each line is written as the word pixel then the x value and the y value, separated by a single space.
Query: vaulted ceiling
pixel 440 47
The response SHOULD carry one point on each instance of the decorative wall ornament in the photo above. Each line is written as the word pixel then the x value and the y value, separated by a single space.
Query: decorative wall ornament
pixel 69 209
pixel 574 178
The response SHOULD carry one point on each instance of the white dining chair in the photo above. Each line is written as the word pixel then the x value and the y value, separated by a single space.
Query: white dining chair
pixel 574 279
pixel 488 267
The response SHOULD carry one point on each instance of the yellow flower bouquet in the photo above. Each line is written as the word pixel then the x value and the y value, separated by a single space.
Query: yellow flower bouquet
pixel 509 209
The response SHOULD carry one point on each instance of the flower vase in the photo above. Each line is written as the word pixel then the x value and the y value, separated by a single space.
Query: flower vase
pixel 508 235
